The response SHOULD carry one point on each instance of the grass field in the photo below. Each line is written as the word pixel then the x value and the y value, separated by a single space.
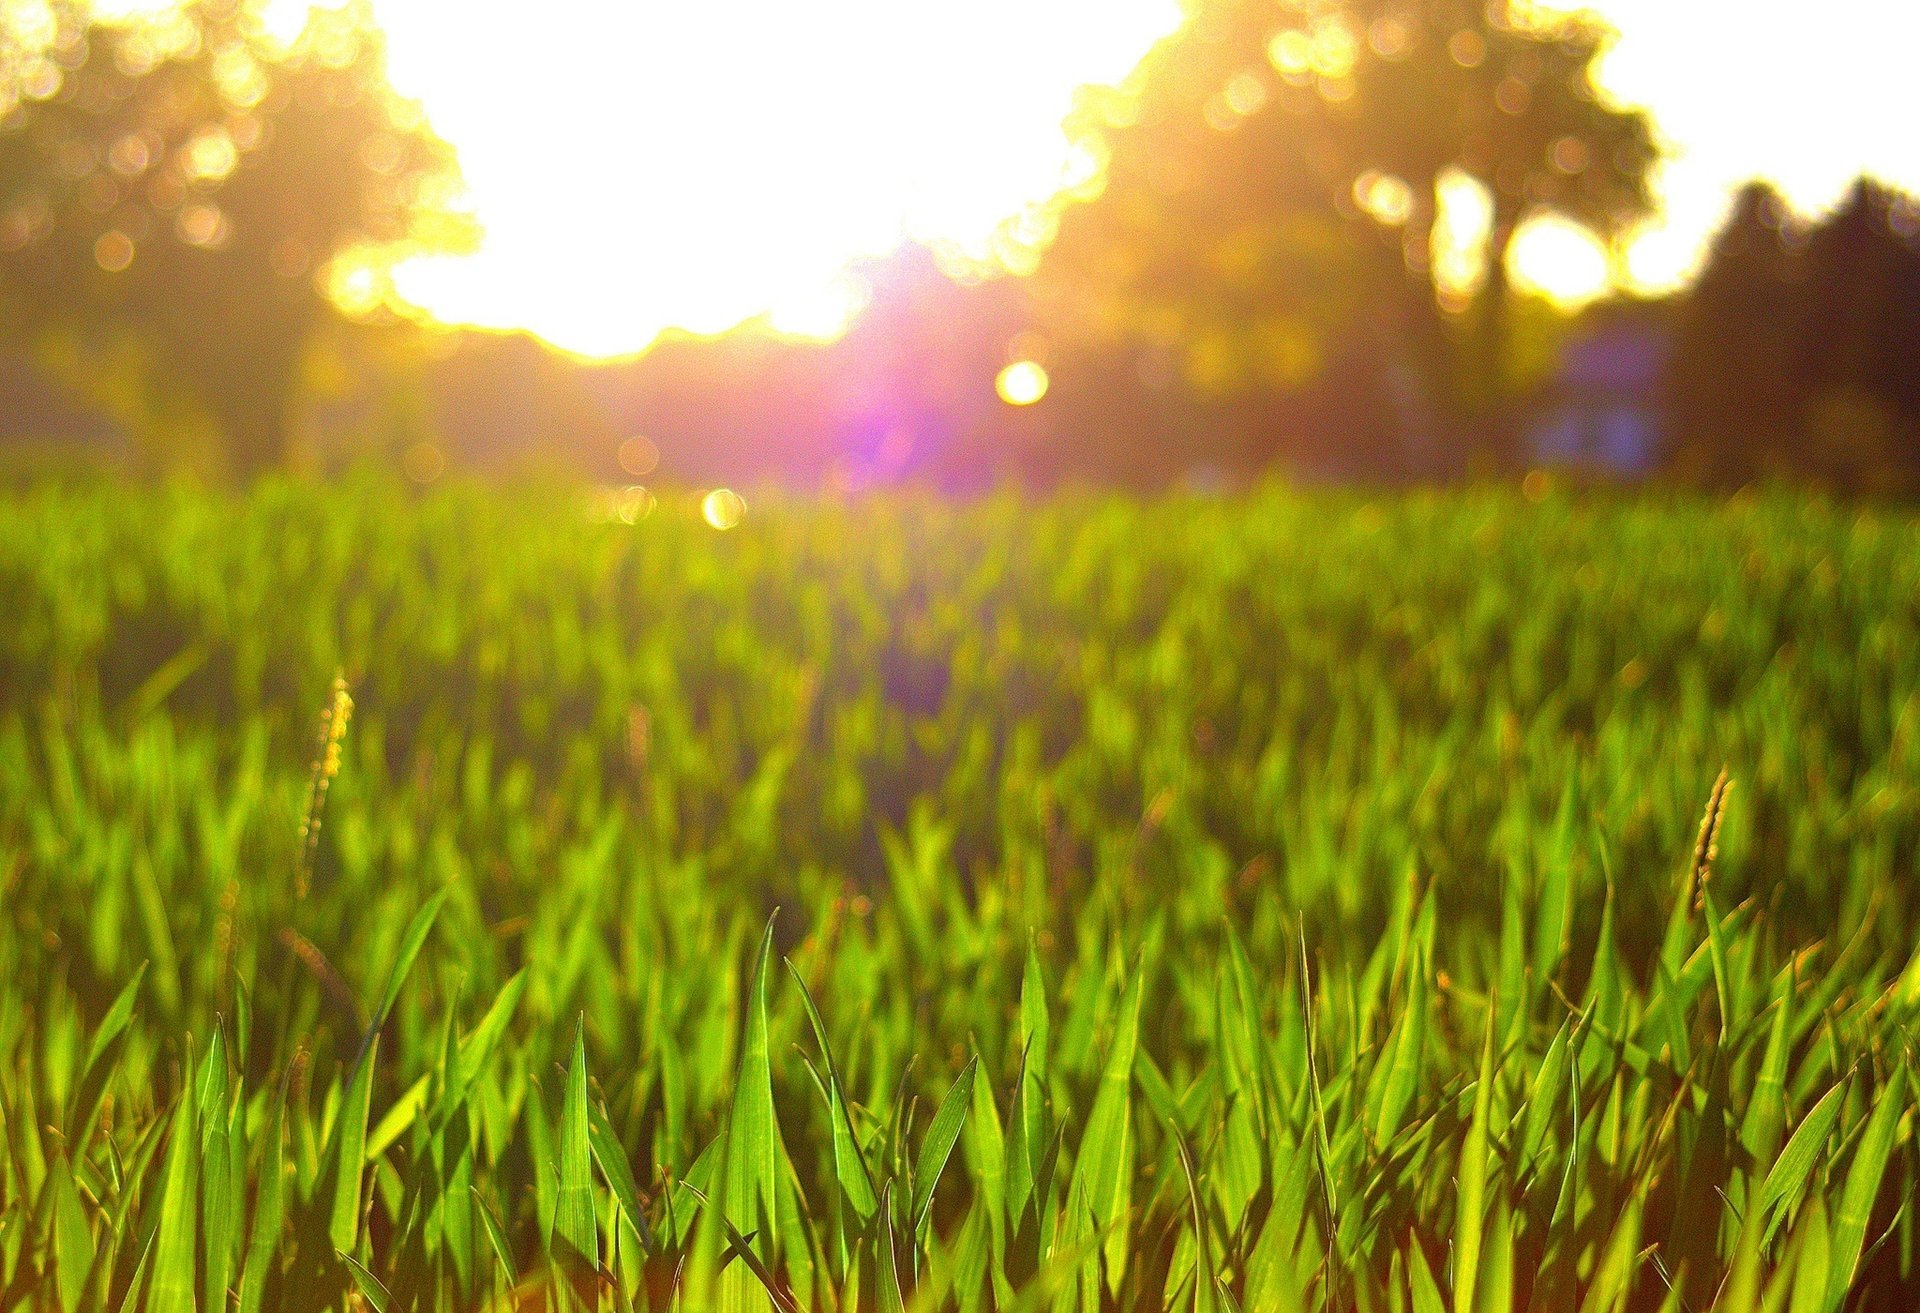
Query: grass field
pixel 1276 902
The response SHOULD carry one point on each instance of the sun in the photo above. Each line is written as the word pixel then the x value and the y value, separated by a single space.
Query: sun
pixel 643 165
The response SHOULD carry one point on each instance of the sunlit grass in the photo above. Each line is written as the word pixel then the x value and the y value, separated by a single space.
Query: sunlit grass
pixel 1265 902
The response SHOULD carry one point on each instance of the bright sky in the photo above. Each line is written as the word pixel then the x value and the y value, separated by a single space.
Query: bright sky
pixel 637 164
pixel 1808 96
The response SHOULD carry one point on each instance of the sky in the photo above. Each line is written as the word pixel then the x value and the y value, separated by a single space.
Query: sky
pixel 643 164
pixel 1808 95
pixel 639 164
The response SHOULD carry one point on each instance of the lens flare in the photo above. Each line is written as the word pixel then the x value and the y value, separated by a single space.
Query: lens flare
pixel 1022 383
pixel 722 508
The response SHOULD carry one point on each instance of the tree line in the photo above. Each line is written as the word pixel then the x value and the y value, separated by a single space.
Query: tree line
pixel 1797 351
pixel 1269 266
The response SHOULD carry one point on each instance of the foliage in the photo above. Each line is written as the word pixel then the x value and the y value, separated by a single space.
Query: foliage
pixel 1793 351
pixel 1262 903
pixel 1274 177
pixel 177 191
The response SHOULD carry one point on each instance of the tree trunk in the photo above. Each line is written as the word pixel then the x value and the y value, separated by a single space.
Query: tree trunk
pixel 256 433
pixel 1497 438
pixel 252 400
pixel 1418 335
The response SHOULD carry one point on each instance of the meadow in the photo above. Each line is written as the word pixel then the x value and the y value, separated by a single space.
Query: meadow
pixel 1282 901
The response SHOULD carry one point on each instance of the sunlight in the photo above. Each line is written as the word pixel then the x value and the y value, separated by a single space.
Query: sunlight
pixel 823 313
pixel 1809 101
pixel 1022 383
pixel 636 167
pixel 1560 261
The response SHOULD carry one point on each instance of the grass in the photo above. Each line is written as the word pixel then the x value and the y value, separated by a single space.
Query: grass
pixel 1266 903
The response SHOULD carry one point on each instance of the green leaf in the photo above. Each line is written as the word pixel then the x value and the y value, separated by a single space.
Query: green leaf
pixel 888 1261
pixel 1795 1163
pixel 1398 1073
pixel 1103 1173
pixel 1470 1183
pixel 617 1171
pixel 1424 1290
pixel 1863 1184
pixel 269 1208
pixel 1028 1115
pixel 410 945
pixel 348 1152
pixel 1814 1265
pixel 1613 1278
pixel 937 1145
pixel 575 1230
pixel 219 1235
pixel 172 1280
pixel 1553 912
pixel 752 1161
pixel 109 1040
pixel 849 1164
pixel 400 1115
pixel 478 1046
pixel 369 1284
pixel 1493 1280
pixel 1766 1114
pixel 496 1238
pixel 73 1250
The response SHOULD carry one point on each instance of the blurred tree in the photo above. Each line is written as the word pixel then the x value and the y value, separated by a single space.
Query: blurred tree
pixel 180 193
pixel 1734 395
pixel 1274 177
pixel 1859 343
pixel 1794 354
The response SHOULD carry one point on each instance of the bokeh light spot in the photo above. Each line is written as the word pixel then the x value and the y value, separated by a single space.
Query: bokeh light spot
pixel 633 504
pixel 639 456
pixel 114 251
pixel 357 289
pixel 722 508
pixel 1022 383
pixel 1291 52
pixel 1467 47
pixel 1383 196
pixel 211 155
pixel 1559 259
pixel 1247 93
pixel 1570 155
pixel 203 225
pixel 423 463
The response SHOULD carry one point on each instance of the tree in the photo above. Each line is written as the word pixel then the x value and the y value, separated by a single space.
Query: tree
pixel 1859 343
pixel 1274 174
pixel 1733 392
pixel 1794 349
pixel 177 192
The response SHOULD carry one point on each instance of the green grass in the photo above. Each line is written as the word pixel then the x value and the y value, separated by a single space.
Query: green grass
pixel 1267 903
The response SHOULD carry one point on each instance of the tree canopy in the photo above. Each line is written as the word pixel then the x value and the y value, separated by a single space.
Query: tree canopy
pixel 1274 174
pixel 180 192
pixel 1794 350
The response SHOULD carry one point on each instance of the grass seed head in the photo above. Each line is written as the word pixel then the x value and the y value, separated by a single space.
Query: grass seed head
pixel 1706 847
